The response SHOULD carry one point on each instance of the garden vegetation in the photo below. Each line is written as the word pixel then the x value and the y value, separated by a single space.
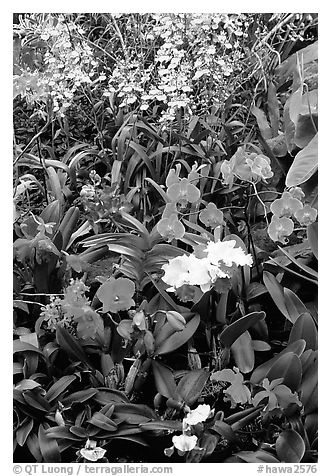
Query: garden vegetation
pixel 165 237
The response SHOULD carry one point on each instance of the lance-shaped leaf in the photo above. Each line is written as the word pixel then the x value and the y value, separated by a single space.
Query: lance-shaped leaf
pixel 59 387
pixel 231 333
pixel 48 446
pixel 102 421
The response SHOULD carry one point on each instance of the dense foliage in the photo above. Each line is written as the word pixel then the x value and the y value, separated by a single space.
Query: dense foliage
pixel 165 237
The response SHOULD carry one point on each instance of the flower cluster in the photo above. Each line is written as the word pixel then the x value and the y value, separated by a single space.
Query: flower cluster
pixel 73 312
pixel 101 202
pixel 247 166
pixel 62 62
pixel 286 208
pixel 237 392
pixel 188 440
pixel 216 260
pixel 194 57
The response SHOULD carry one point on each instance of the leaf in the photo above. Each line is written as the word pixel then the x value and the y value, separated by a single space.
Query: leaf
pixel 225 430
pixel 19 346
pixel 27 384
pixel 304 164
pixel 259 456
pixel 276 291
pixel 273 109
pixel 33 445
pixel 243 352
pixel 79 397
pixel 164 380
pixel 162 425
pixel 312 234
pixel 234 330
pixel 176 320
pixel 48 447
pixel 107 395
pixel 261 371
pixel 305 56
pixel 260 345
pixel 294 305
pixel 23 432
pixel 191 385
pixel 308 388
pixel 134 414
pixel 59 386
pixel 54 183
pixel 71 346
pixel 295 104
pixel 303 267
pixel 178 338
pixel 102 421
pixel 61 432
pixel 262 122
pixel 304 328
pixel 287 366
pixel 290 446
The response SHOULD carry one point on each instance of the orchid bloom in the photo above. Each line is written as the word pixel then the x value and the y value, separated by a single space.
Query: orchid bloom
pixel 91 451
pixel 198 415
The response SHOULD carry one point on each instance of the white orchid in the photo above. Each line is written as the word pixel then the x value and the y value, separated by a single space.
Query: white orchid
pixel 199 415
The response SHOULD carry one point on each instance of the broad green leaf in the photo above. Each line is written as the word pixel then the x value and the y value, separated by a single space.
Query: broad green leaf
pixel 79 397
pixel 19 346
pixel 287 366
pixel 304 328
pixel 164 380
pixel 276 291
pixel 59 386
pixel 312 234
pixel 243 352
pixel 178 338
pixel 304 164
pixel 162 425
pixel 61 432
pixel 261 371
pixel 290 446
pixel 71 346
pixel 102 421
pixel 308 388
pixel 107 395
pixel 48 446
pixel 225 430
pixel 294 305
pixel 33 445
pixel 192 384
pixel 260 345
pixel 234 330
pixel 23 432
pixel 259 456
